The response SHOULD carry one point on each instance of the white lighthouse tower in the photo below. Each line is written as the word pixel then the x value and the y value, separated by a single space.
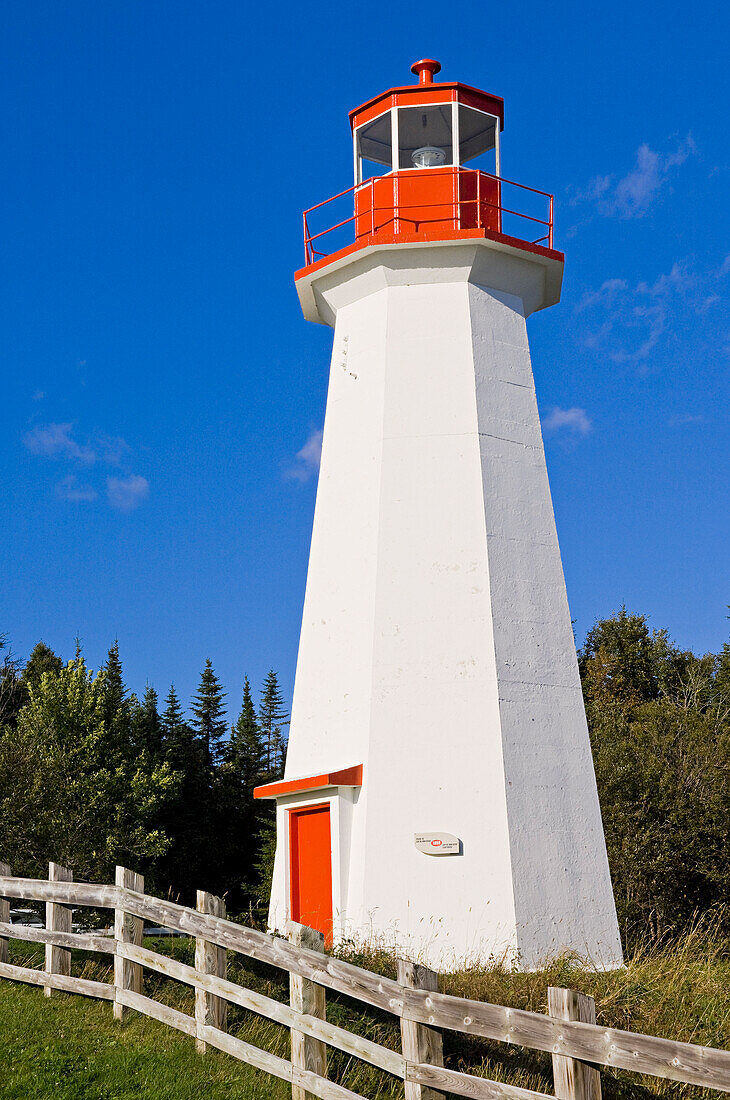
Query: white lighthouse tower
pixel 439 792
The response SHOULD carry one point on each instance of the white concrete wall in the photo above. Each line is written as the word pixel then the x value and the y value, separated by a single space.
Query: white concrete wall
pixel 436 644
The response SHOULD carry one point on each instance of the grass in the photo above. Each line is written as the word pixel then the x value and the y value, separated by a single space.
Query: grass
pixel 68 1046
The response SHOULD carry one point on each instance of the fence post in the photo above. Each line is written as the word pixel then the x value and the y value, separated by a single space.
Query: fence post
pixel 210 1011
pixel 421 1043
pixel 4 915
pixel 309 999
pixel 574 1080
pixel 127 929
pixel 58 919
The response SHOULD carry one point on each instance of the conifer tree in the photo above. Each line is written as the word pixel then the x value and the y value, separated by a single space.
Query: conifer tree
pixel 245 753
pixel 172 716
pixel 116 692
pixel 273 720
pixel 210 714
pixel 146 724
pixel 13 689
pixel 242 770
pixel 41 660
pixel 185 866
pixel 118 707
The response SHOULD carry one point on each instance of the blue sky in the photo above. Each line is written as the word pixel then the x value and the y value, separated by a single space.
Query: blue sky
pixel 162 394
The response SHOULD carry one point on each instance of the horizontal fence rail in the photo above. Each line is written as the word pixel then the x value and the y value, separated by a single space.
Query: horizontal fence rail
pixel 445 209
pixel 571 1037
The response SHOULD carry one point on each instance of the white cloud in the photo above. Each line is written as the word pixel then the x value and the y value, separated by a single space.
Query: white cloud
pixel 307 459
pixel 574 420
pixel 69 489
pixel 606 294
pixel 127 493
pixel 632 194
pixel 724 267
pixel 686 418
pixel 629 322
pixel 56 441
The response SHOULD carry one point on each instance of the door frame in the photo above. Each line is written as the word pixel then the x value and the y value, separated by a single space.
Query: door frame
pixel 340 801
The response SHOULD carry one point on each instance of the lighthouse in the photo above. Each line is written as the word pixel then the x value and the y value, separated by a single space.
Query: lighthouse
pixel 439 793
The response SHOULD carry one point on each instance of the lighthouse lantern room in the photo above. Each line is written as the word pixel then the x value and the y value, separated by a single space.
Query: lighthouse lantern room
pixel 439 793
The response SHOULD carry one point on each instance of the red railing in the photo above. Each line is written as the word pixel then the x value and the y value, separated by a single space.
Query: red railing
pixel 399 212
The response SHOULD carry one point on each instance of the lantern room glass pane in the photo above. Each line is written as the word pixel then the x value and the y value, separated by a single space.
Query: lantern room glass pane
pixel 424 128
pixel 375 147
pixel 477 137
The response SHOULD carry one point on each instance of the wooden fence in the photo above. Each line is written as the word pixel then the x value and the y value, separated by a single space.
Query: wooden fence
pixel 569 1032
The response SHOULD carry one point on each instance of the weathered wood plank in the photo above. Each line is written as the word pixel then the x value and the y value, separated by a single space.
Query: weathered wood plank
pixel 63 982
pixel 210 1010
pixel 65 893
pixel 128 998
pixel 128 928
pixel 695 1065
pixel 253 1056
pixel 463 1084
pixel 278 1067
pixel 364 1049
pixel 574 1080
pixel 421 1044
pixel 307 999
pixel 58 919
pixel 321 1087
pixel 69 984
pixel 23 974
pixel 4 915
pixel 81 940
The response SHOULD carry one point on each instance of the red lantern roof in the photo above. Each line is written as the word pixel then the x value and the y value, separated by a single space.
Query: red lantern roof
pixel 426 91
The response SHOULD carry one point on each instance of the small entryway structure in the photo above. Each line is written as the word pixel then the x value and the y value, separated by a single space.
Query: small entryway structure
pixel 439 781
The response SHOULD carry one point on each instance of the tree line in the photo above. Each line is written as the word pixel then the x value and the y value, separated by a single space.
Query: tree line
pixel 92 776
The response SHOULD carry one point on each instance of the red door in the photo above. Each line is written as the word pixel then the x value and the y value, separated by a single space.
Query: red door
pixel 310 855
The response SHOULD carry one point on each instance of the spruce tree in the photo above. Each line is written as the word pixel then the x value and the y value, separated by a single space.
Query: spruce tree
pixel 273 720
pixel 41 660
pixel 185 867
pixel 115 691
pixel 242 770
pixel 172 716
pixel 146 724
pixel 210 714
pixel 13 689
pixel 118 708
pixel 245 753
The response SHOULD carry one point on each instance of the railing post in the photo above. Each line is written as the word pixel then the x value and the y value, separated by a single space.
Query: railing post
pixel 421 1043
pixel 127 929
pixel 210 1011
pixel 4 915
pixel 550 228
pixel 58 919
pixel 309 999
pixel 574 1080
